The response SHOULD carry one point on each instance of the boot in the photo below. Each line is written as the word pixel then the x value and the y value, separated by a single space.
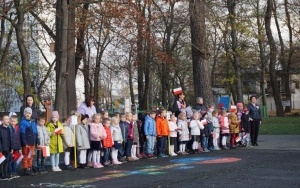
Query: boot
pixel 172 153
pixel 114 157
pixel 133 153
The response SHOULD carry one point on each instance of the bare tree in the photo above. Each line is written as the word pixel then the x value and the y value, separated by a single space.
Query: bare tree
pixel 273 58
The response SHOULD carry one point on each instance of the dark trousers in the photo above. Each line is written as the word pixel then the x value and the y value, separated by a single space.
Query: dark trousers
pixel 128 146
pixel 210 141
pixel 161 144
pixel 121 152
pixel 254 131
pixel 4 167
pixel 40 159
pixel 106 156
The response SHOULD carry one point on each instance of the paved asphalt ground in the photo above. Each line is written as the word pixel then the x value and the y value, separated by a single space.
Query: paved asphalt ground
pixel 274 163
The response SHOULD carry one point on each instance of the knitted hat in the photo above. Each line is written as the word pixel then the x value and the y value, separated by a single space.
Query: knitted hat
pixel 239 105
pixel 27 110
pixel 246 110
pixel 55 114
pixel 233 108
pixel 84 116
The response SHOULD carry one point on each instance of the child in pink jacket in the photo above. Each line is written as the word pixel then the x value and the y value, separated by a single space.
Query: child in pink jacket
pixel 97 133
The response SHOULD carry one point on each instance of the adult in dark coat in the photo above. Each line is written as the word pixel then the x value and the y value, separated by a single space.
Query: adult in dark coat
pixel 199 105
pixel 29 102
pixel 255 119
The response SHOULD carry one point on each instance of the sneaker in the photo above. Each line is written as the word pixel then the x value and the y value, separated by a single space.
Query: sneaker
pixel 206 150
pixel 165 155
pixel 54 169
pixel 28 172
pixel 98 165
pixel 69 167
pixel 58 169
pixel 108 164
pixel 135 158
pixel 217 148
pixel 129 159
pixel 14 176
pixel 161 155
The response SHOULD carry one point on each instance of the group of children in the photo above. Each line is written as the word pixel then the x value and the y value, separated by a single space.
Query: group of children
pixel 101 140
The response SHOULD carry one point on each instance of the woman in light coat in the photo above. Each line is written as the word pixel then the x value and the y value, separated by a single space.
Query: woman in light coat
pixel 82 139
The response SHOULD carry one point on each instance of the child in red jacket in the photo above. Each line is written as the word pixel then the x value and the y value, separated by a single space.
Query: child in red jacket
pixel 107 143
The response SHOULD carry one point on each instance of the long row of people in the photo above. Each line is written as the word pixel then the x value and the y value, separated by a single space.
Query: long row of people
pixel 100 140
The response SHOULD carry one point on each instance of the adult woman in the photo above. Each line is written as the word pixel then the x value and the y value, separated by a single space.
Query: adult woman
pixel 87 107
pixel 199 105
pixel 255 119
pixel 30 103
pixel 179 104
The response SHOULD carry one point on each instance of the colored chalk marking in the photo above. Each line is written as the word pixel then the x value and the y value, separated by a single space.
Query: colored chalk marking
pixel 178 164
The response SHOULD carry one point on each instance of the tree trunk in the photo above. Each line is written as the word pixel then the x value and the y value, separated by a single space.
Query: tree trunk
pixel 201 69
pixel 231 5
pixel 22 48
pixel 61 52
pixel 273 52
pixel 71 75
pixel 262 55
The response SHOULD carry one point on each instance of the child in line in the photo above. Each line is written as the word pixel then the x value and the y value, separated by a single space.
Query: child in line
pixel 117 139
pixel 7 144
pixel 82 139
pixel 240 111
pixel 55 129
pixel 224 128
pixel 163 131
pixel 44 141
pixel 97 133
pixel 216 133
pixel 29 140
pixel 173 134
pixel 17 150
pixel 107 142
pixel 130 136
pixel 210 109
pixel 135 146
pixel 233 126
pixel 184 134
pixel 124 130
pixel 68 141
pixel 196 127
pixel 245 121
pixel 205 133
pixel 150 132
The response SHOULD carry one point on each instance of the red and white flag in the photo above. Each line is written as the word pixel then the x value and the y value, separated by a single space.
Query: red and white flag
pixel 2 158
pixel 45 151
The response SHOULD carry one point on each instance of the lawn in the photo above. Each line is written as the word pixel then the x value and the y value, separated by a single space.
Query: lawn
pixel 280 126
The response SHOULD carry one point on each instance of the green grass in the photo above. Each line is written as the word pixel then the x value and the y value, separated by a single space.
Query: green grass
pixel 280 126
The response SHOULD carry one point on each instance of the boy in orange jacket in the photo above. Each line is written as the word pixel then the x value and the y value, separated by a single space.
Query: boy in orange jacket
pixel 163 131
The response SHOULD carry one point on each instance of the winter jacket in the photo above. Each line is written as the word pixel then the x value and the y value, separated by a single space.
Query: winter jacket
pixel 200 107
pixel 162 127
pixel 82 137
pixel 56 143
pixel 124 130
pixel 254 112
pixel 97 132
pixel 17 137
pixel 84 109
pixel 184 130
pixel 7 139
pixel 196 126
pixel 216 124
pixel 149 126
pixel 224 125
pixel 173 129
pixel 233 123
pixel 68 138
pixel 245 123
pixel 29 133
pixel 135 131
pixel 116 133
pixel 107 142
pixel 43 135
